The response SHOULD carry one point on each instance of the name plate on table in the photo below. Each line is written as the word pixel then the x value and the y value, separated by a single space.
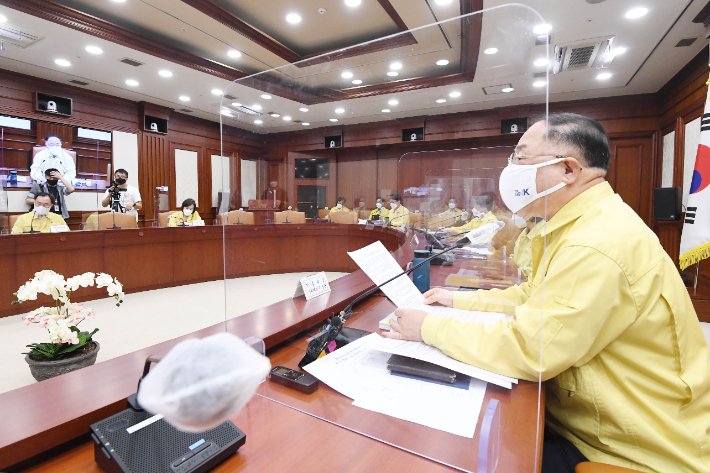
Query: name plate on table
pixel 58 228
pixel 313 286
pixel 198 223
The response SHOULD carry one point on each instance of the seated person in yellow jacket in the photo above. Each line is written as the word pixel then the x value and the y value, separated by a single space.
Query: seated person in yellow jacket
pixel 340 206
pixel 40 219
pixel 380 212
pixel 522 254
pixel 399 215
pixel 621 352
pixel 482 214
pixel 450 216
pixel 452 210
pixel 187 216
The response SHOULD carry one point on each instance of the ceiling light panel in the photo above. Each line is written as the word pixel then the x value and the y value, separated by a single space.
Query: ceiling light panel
pixel 293 18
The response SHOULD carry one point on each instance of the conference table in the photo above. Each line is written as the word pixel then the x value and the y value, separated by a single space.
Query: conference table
pixel 45 425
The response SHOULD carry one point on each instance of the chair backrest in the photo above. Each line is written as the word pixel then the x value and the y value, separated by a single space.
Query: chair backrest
pixel 293 217
pixel 230 218
pixel 343 217
pixel 439 220
pixel 106 220
pixel 364 214
pixel 164 218
pixel 12 220
pixel 255 204
pixel 415 220
pixel 322 213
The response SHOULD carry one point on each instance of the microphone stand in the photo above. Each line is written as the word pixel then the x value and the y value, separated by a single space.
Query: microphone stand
pixel 32 230
pixel 336 322
pixel 289 211
pixel 239 217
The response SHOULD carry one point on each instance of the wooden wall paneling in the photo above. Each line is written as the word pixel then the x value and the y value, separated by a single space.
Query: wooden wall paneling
pixel 64 132
pixel 386 175
pixel 93 157
pixel 357 176
pixel 154 165
pixel 684 90
pixel 631 173
pixel 17 149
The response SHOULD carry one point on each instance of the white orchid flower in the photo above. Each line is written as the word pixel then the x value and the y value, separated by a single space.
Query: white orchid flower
pixel 103 280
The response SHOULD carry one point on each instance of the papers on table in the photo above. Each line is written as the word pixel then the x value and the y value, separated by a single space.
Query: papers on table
pixel 359 371
pixel 380 266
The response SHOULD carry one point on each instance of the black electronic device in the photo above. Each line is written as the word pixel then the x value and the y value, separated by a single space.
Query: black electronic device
pixel 294 379
pixel 333 141
pixel 413 134
pixel 421 369
pixel 667 203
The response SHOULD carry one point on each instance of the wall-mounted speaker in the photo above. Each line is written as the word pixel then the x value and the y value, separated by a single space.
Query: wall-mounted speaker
pixel 334 141
pixel 667 203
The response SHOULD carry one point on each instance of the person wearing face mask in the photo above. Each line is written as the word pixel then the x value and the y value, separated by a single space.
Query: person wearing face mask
pixel 380 213
pixel 187 216
pixel 481 212
pixel 452 209
pixel 604 320
pixel 55 185
pixel 340 206
pixel 522 253
pixel 399 214
pixel 130 201
pixel 39 219
pixel 54 157
pixel 274 196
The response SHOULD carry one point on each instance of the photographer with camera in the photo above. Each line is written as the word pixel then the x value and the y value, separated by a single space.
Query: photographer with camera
pixel 122 197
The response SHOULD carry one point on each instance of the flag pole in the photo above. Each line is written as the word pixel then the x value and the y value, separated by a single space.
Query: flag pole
pixel 697 270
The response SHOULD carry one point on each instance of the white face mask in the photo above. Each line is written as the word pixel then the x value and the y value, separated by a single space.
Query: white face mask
pixel 452 206
pixel 340 206
pixel 519 221
pixel 362 204
pixel 379 205
pixel 41 211
pixel 518 187
pixel 393 205
pixel 273 184
pixel 187 212
pixel 54 149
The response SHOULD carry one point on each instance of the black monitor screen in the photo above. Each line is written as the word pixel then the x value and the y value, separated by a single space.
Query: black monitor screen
pixel 312 168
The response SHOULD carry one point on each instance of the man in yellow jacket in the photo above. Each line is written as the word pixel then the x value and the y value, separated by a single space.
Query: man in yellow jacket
pixel 380 211
pixel 482 207
pixel 399 214
pixel 188 215
pixel 522 253
pixel 39 220
pixel 622 353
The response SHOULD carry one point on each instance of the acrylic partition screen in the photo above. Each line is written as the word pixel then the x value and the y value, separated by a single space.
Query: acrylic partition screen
pixel 367 145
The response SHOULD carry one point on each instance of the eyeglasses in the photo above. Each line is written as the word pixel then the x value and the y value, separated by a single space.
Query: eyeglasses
pixel 514 158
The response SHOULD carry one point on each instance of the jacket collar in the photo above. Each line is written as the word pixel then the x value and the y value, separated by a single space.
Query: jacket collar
pixel 573 209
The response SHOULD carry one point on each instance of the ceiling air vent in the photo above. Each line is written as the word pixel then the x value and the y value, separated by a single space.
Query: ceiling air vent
pixel 496 89
pixel 185 110
pixel 540 75
pixel 581 54
pixel 12 35
pixel 685 42
pixel 247 110
pixel 230 97
pixel 131 62
pixel 78 82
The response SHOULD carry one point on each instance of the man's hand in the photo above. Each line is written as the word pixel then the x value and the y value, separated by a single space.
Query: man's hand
pixel 55 175
pixel 408 325
pixel 440 295
pixel 129 206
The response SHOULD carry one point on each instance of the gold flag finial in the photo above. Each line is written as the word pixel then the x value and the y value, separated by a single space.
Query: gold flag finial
pixel 708 82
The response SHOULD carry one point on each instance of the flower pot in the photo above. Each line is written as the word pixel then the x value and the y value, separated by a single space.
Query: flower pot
pixel 42 370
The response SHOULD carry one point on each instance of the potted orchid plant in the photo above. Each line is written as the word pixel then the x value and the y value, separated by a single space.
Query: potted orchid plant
pixel 68 348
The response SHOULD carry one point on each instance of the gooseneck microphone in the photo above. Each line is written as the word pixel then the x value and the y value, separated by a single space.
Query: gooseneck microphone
pixel 32 230
pixel 288 212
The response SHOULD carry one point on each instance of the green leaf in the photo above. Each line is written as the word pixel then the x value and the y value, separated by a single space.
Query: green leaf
pixel 74 328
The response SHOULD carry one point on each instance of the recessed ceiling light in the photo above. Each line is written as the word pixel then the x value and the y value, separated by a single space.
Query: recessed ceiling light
pixel 454 95
pixel 539 83
pixel 303 109
pixel 165 73
pixel 234 53
pixel 440 100
pixel 357 82
pixel 353 3
pixel 395 66
pixel 339 110
pixel 442 62
pixel 542 28
pixel 258 122
pixel 393 73
pixel 393 102
pixel 216 92
pixel 507 90
pixel 604 76
pixel 293 18
pixel 386 110
pixel 287 119
pixel 236 104
pixel 490 51
pixel 265 96
pixel 346 75
pixel 333 119
pixel 256 107
pixel 184 98
pixel 3 18
pixel 542 62
pixel 617 51
pixel 305 123
pixel 119 1
pixel 132 82
pixel 226 112
pixel 89 49
pixel 443 2
pixel 62 62
pixel 275 115
pixel 636 12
